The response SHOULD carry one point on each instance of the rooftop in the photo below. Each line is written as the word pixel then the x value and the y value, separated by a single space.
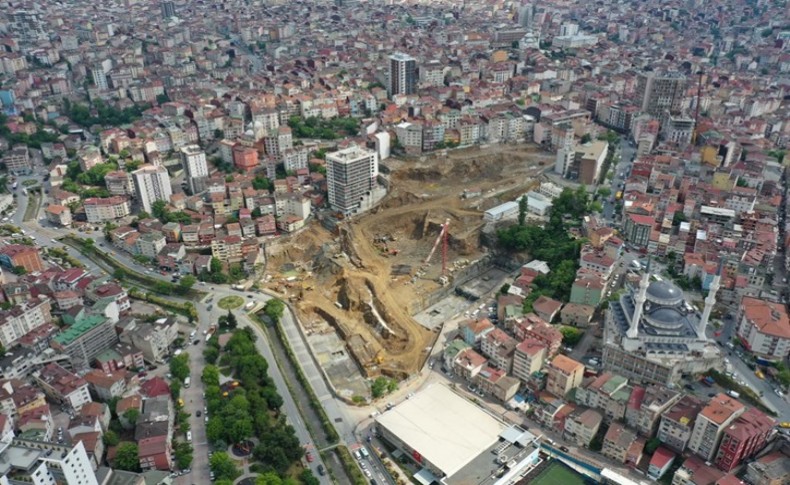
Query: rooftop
pixel 446 429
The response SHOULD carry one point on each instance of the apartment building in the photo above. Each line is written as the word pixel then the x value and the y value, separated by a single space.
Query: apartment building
pixel 582 425
pixel 764 328
pixel 45 463
pixel 21 255
pixel 710 424
pixel 23 318
pixel 469 363
pixel 743 438
pixel 63 386
pixel 59 215
pixel 402 77
pixel 119 183
pixel 17 160
pixel 350 177
pixel 647 405
pixel 227 249
pixel 498 346
pixel 193 159
pixel 153 339
pixel 564 374
pixel 278 142
pixel 528 358
pixel 152 183
pixel 622 444
pixel 770 469
pixel 99 210
pixel 677 422
pixel 85 340
pixel 608 392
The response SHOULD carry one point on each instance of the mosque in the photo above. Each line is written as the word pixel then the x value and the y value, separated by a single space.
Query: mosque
pixel 652 334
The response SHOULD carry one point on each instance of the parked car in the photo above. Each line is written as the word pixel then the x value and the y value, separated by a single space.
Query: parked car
pixel 321 470
pixel 309 457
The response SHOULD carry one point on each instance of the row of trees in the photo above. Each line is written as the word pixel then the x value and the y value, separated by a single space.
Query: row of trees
pixel 251 409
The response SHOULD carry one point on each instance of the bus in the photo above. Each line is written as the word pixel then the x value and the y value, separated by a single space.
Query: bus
pixel 187 381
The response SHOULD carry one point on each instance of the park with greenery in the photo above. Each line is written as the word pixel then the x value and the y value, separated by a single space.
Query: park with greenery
pixel 244 406
pixel 551 243
pixel 323 128
pixel 230 302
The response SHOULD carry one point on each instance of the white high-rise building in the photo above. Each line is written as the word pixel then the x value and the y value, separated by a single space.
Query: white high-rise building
pixel 152 183
pixel 195 167
pixel 45 463
pixel 402 74
pixel 351 177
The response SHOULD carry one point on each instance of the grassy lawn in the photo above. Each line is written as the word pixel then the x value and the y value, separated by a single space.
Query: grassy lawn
pixel 33 204
pixel 230 302
pixel 29 183
pixel 558 474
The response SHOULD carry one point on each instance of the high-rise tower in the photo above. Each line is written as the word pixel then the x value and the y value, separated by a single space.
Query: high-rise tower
pixel 402 74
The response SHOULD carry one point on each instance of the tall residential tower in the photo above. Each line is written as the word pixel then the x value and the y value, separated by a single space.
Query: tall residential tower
pixel 351 177
pixel 402 74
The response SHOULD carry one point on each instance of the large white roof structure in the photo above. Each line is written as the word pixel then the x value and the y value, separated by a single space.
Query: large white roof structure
pixel 446 429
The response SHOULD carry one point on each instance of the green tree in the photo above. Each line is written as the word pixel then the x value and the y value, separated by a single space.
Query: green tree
pixel 126 457
pixel 19 270
pixel 179 366
pixel 379 387
pixel 230 320
pixel 586 138
pixel 210 376
pixel 274 309
pixel 269 478
pixel 223 467
pixel 505 288
pixel 307 477
pixel 131 415
pixel 183 455
pixel 604 192
pixel 652 445
pixel 522 210
pixel 261 183
pixel 187 282
pixel 111 438
pixel 571 336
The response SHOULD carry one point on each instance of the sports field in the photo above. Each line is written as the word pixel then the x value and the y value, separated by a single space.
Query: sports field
pixel 558 474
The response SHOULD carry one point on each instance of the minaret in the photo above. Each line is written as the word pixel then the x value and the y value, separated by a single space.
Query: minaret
pixel 710 300
pixel 639 300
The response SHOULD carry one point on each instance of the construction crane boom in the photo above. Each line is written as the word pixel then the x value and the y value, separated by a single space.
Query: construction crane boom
pixel 439 238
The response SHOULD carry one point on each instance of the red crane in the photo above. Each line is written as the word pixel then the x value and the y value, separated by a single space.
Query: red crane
pixel 443 237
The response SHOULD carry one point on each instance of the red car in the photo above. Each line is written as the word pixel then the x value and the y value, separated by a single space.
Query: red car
pixel 309 457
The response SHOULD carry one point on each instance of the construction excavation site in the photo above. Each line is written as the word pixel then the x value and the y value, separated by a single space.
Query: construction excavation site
pixel 365 280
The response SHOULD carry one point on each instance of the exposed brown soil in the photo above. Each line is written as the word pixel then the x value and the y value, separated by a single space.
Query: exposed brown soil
pixel 368 279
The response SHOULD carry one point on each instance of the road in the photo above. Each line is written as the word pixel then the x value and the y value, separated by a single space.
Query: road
pixel 193 397
pixel 627 152
pixel 747 375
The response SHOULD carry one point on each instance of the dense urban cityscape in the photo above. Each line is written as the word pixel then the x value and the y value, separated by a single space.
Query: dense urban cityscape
pixel 458 242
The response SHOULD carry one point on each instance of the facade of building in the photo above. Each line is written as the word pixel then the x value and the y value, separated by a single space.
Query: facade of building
pixel 46 463
pixel 99 210
pixel 661 92
pixel 351 176
pixel 528 358
pixel 564 374
pixel 63 386
pixel 677 423
pixel 195 166
pixel 743 439
pixel 27 257
pixel 402 74
pixel 85 340
pixel 582 426
pixel 152 183
pixel 764 328
pixel 711 423
pixel 22 319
